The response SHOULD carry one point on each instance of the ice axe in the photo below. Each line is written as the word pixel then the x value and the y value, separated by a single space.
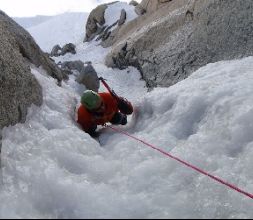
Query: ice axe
pixel 124 105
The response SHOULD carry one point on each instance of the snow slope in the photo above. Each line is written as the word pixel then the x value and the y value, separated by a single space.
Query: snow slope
pixel 52 169
pixel 31 21
pixel 61 29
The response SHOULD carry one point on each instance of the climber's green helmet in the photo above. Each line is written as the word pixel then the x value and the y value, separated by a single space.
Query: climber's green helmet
pixel 91 100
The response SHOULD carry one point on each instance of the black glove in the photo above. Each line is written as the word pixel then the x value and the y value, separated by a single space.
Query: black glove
pixel 124 106
pixel 92 131
pixel 124 120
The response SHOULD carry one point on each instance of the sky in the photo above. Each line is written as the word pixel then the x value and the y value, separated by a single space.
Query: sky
pixel 52 169
pixel 28 8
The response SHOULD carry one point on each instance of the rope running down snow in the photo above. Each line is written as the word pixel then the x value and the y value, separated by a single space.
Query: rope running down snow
pixel 185 163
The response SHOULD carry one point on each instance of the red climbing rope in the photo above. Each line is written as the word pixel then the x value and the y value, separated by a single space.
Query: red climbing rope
pixel 185 163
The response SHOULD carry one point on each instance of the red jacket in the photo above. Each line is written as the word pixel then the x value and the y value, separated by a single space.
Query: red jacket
pixel 87 120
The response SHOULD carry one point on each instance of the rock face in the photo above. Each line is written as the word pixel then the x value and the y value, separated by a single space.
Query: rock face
pixel 73 65
pixel 123 16
pixel 167 45
pixel 88 77
pixel 149 6
pixel 26 46
pixel 67 48
pixel 19 88
pixel 95 19
pixel 134 3
pixel 56 51
pixel 95 25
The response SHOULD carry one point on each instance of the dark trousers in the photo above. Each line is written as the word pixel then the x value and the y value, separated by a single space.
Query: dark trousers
pixel 119 119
